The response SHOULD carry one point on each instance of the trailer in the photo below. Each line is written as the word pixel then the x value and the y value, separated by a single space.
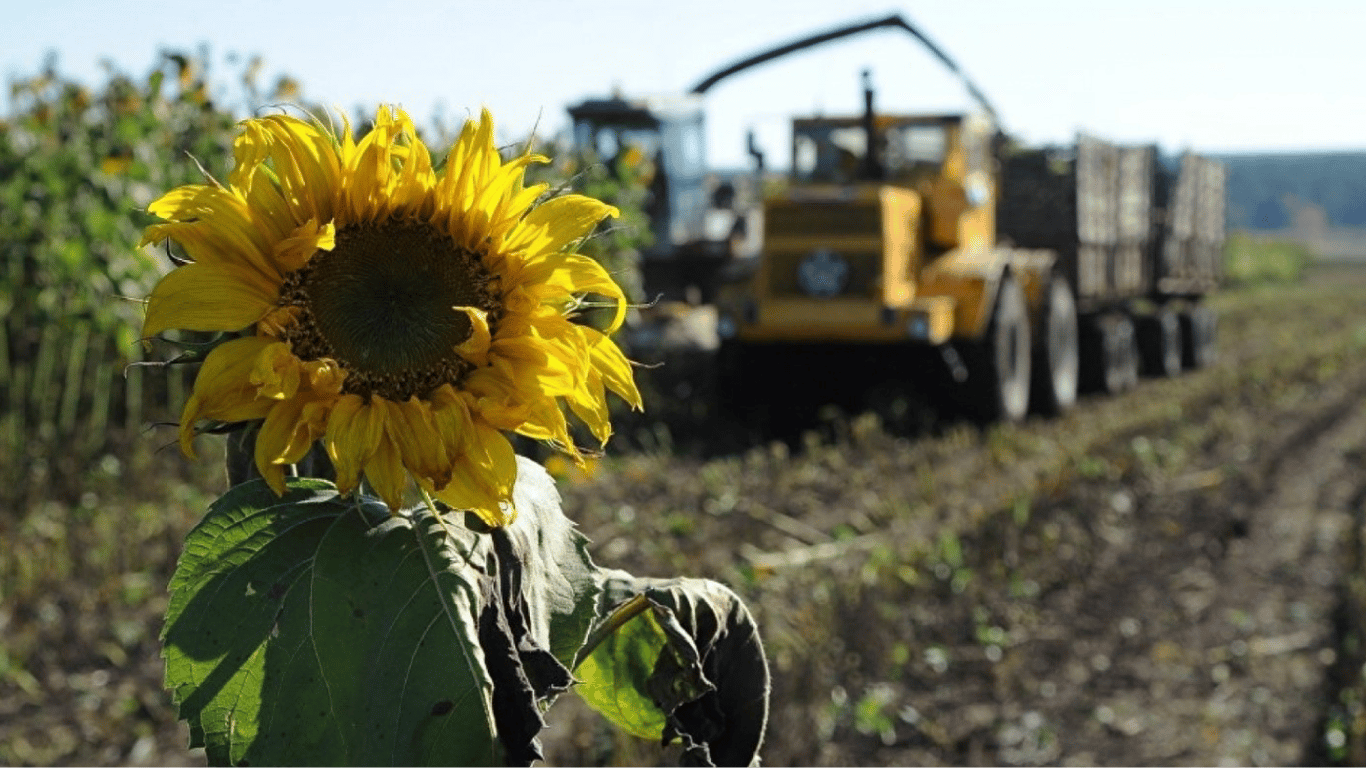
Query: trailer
pixel 1140 240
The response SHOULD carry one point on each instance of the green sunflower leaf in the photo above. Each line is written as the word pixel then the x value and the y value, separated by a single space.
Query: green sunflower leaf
pixel 311 629
pixel 314 629
pixel 678 659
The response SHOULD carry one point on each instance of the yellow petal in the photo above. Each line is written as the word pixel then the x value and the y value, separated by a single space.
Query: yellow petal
pixel 589 404
pixel 249 150
pixel 556 223
pixel 325 377
pixel 450 417
pixel 223 389
pixel 607 359
pixel 212 215
pixel 385 472
pixel 492 455
pixel 494 399
pixel 476 348
pixel 273 440
pixel 313 236
pixel 572 273
pixel 547 422
pixel 277 372
pixel 353 435
pixel 524 361
pixel 519 301
pixel 457 166
pixel 306 165
pixel 412 427
pixel 199 297
pixel 465 492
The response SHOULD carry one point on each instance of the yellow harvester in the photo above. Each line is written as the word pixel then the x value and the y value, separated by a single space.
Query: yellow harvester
pixel 923 245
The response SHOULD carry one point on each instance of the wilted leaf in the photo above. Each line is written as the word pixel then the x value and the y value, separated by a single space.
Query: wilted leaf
pixel 678 659
pixel 538 613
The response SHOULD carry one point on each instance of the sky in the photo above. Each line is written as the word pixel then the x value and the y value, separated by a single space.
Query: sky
pixel 1207 75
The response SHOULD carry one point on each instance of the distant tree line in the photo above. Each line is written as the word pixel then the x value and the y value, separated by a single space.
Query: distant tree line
pixel 1264 190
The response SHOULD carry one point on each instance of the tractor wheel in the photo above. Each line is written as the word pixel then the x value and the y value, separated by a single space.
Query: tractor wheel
pixel 999 365
pixel 1199 337
pixel 1056 358
pixel 1109 361
pixel 735 388
pixel 1159 343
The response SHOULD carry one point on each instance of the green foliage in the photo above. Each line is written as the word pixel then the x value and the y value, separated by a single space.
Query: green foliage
pixel 1254 260
pixel 78 167
pixel 77 170
pixel 311 628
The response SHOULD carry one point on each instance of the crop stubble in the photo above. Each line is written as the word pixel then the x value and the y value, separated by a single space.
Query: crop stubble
pixel 1166 577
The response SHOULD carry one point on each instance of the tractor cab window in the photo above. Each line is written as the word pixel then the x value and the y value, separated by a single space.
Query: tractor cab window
pixel 684 142
pixel 615 143
pixel 835 152
pixel 915 151
pixel 828 153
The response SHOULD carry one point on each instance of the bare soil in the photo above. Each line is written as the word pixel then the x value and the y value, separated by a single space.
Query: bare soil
pixel 1168 577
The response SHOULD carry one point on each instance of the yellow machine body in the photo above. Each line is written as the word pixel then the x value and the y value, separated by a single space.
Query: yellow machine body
pixel 907 256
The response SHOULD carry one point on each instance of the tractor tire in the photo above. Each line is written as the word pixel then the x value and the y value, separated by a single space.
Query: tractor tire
pixel 999 365
pixel 737 386
pixel 1159 343
pixel 1109 359
pixel 1199 337
pixel 1056 355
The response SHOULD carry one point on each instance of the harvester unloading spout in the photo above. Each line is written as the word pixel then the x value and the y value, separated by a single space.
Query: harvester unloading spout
pixel 689 253
pixel 893 21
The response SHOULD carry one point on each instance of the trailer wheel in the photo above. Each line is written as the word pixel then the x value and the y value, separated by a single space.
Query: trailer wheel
pixel 1109 359
pixel 1199 337
pixel 999 365
pixel 1056 357
pixel 1159 343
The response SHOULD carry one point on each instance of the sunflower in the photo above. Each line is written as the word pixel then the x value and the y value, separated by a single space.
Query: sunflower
pixel 407 316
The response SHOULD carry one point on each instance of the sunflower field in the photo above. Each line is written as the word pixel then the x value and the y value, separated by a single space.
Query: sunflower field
pixel 78 166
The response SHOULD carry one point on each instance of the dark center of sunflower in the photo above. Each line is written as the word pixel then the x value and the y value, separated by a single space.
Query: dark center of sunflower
pixel 381 303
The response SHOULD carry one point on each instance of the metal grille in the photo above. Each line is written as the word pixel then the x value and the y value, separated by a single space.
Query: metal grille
pixel 865 273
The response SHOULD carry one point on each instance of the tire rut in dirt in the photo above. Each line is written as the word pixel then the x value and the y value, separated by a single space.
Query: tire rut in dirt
pixel 1222 617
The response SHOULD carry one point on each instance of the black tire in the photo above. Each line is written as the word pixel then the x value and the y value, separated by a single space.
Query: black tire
pixel 1109 347
pixel 738 385
pixel 999 365
pixel 1199 337
pixel 1056 355
pixel 1159 343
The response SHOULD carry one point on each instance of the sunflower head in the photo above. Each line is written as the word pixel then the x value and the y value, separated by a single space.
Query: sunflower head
pixel 408 315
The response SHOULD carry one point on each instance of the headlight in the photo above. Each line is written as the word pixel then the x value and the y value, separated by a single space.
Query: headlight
pixel 918 327
pixel 725 327
pixel 823 274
